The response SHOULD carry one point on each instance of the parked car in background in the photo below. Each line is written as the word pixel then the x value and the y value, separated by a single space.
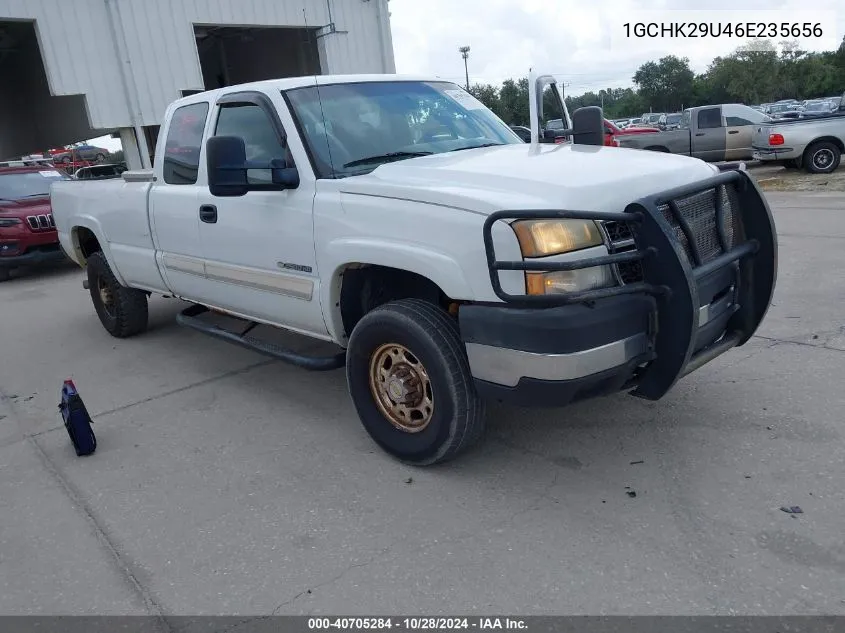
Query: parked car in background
pixel 670 121
pixel 817 108
pixel 786 110
pixel 522 132
pixel 651 118
pixel 815 143
pixel 612 131
pixel 711 133
pixel 79 152
pixel 100 172
pixel 27 230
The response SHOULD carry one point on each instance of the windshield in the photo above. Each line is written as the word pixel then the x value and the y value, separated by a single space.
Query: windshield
pixel 673 118
pixel 351 129
pixel 28 184
pixel 819 106
pixel 782 107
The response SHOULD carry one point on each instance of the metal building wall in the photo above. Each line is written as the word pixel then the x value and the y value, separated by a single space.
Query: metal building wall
pixel 158 49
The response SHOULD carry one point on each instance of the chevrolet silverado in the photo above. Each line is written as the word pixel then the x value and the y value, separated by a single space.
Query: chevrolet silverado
pixel 449 262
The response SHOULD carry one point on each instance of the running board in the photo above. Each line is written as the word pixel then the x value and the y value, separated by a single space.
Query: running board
pixel 189 318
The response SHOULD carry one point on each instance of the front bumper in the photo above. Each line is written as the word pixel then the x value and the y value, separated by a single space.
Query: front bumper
pixel 689 307
pixel 34 257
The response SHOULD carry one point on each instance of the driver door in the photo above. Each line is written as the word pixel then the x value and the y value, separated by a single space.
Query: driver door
pixel 259 248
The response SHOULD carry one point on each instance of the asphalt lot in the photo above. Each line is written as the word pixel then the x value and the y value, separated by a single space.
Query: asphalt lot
pixel 225 483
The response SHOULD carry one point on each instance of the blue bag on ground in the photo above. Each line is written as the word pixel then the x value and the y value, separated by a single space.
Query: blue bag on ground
pixel 76 419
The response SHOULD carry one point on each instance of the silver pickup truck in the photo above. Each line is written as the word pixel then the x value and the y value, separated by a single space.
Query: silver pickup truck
pixel 815 144
pixel 711 133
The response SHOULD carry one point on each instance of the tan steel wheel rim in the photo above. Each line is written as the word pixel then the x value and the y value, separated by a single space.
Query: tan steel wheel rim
pixel 106 296
pixel 401 388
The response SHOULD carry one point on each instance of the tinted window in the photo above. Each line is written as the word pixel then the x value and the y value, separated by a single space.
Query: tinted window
pixel 252 124
pixel 182 147
pixel 709 118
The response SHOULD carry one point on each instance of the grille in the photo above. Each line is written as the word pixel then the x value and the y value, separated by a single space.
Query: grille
pixel 621 239
pixel 41 222
pixel 699 211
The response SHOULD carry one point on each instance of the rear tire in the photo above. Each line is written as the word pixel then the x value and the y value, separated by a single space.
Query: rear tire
pixel 122 311
pixel 822 157
pixel 5 274
pixel 411 384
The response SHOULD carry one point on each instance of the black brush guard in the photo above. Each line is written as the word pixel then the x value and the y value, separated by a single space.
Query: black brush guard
pixel 669 275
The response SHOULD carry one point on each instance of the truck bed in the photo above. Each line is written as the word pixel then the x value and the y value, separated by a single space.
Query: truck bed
pixel 117 210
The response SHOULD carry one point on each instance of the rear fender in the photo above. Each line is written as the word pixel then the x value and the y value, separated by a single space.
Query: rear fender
pixel 93 225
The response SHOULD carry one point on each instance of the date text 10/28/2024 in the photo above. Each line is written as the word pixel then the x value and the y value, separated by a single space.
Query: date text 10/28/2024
pixel 416 624
pixel 682 30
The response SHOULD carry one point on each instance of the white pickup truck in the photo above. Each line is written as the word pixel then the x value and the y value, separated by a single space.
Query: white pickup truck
pixel 449 261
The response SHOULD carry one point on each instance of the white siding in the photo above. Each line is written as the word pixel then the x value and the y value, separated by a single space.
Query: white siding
pixel 79 56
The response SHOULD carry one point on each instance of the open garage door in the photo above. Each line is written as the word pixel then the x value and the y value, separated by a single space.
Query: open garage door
pixel 233 55
pixel 31 119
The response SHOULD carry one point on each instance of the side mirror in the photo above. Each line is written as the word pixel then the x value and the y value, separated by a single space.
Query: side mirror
pixel 226 162
pixel 588 126
pixel 228 169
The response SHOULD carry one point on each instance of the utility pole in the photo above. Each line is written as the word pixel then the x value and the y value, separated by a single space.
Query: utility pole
pixel 465 54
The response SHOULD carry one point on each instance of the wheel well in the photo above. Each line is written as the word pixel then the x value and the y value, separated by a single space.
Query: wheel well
pixel 365 287
pixel 86 242
pixel 657 148
pixel 828 139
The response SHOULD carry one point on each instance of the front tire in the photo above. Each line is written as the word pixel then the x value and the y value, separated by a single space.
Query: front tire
pixel 822 157
pixel 122 311
pixel 411 385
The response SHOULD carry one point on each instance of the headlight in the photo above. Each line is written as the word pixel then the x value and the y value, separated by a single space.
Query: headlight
pixel 538 238
pixel 563 281
pixel 7 222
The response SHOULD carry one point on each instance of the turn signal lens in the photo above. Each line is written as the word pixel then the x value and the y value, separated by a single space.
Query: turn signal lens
pixel 775 139
pixel 563 281
pixel 538 238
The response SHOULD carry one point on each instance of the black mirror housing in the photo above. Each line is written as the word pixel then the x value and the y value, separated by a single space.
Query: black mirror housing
pixel 588 126
pixel 226 162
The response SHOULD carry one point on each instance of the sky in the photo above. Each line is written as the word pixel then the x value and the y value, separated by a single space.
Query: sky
pixel 583 43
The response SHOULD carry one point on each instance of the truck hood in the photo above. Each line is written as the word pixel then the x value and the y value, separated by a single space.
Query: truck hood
pixel 528 176
pixel 25 207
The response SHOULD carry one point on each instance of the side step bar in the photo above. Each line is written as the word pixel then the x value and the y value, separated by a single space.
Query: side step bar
pixel 189 318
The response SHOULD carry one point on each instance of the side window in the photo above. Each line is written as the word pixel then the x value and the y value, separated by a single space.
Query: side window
pixel 252 124
pixel 182 147
pixel 709 118
pixel 737 116
pixel 685 119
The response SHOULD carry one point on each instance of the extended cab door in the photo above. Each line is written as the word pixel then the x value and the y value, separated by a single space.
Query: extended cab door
pixel 259 247
pixel 740 122
pixel 708 134
pixel 173 202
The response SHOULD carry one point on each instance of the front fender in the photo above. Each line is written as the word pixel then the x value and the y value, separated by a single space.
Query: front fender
pixel 438 267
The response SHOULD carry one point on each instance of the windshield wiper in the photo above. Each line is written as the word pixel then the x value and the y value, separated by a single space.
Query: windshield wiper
pixel 385 157
pixel 477 146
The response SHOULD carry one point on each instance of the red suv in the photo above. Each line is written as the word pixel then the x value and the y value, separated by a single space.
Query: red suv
pixel 27 230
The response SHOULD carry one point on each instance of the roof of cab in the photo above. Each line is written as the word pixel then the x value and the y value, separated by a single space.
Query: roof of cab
pixel 289 83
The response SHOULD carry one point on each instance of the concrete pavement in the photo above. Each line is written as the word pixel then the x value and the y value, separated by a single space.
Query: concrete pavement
pixel 228 484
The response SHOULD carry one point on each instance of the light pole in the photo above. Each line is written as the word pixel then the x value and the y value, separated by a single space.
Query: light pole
pixel 465 54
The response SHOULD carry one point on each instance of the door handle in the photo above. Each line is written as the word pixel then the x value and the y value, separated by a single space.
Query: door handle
pixel 733 131
pixel 699 133
pixel 208 213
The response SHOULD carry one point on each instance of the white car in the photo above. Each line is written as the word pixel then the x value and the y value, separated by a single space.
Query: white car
pixel 447 260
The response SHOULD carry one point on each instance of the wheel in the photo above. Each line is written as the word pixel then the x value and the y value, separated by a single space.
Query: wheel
pixel 411 385
pixel 122 311
pixel 5 274
pixel 100 158
pixel 66 160
pixel 822 157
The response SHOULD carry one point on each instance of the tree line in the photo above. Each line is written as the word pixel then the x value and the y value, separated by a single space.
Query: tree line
pixel 762 72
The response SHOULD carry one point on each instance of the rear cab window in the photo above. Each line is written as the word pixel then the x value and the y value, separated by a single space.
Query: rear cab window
pixel 184 143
